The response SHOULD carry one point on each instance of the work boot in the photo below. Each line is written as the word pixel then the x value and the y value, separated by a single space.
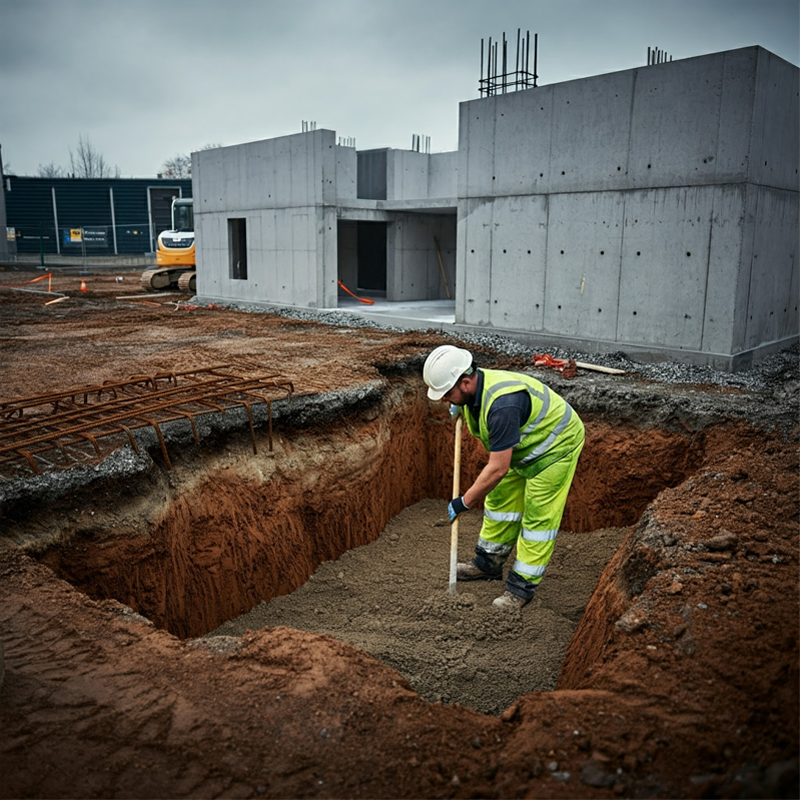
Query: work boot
pixel 467 571
pixel 509 601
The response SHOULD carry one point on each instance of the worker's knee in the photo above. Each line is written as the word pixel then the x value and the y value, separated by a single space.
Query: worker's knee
pixel 491 561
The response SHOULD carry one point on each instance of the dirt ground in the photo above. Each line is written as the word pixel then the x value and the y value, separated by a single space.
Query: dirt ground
pixel 391 598
pixel 279 626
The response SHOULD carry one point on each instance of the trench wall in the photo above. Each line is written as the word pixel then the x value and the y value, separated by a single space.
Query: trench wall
pixel 195 547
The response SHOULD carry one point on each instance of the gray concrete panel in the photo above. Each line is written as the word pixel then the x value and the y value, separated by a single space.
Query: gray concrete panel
pixel 590 133
pixel 207 181
pixel 521 143
pixel 474 266
pixel 771 308
pixel 327 288
pixel 744 278
pixel 406 175
pixel 443 174
pixel 476 147
pixel 297 170
pixel 303 257
pixel 264 256
pixel 413 270
pixel 584 253
pixel 345 173
pixel 732 161
pixel 347 254
pixel 518 259
pixel 371 174
pixel 207 245
pixel 794 290
pixel 665 250
pixel 444 227
pixel 3 221
pixel 724 258
pixel 462 230
pixel 675 122
pixel 776 131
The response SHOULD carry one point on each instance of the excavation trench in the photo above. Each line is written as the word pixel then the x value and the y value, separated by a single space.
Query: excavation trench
pixel 339 530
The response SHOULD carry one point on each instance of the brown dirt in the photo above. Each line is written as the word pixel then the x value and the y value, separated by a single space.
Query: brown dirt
pixel 679 680
pixel 391 599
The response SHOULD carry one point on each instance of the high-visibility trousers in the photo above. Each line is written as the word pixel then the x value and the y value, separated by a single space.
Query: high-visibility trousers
pixel 527 512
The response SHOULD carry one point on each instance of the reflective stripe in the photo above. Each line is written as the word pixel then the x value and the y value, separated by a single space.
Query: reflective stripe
pixel 524 569
pixel 502 516
pixel 494 548
pixel 540 416
pixel 548 442
pixel 493 390
pixel 539 536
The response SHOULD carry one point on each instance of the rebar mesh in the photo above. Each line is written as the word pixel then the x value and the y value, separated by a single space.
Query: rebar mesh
pixel 57 430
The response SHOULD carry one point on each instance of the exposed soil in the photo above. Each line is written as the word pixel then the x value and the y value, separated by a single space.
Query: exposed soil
pixel 391 599
pixel 162 637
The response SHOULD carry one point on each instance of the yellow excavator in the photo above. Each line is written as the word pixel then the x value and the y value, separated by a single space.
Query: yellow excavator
pixel 175 252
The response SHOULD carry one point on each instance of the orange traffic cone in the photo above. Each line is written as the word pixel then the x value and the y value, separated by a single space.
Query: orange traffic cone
pixel 83 286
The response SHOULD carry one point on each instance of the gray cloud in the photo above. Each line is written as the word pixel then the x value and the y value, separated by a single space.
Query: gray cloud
pixel 154 78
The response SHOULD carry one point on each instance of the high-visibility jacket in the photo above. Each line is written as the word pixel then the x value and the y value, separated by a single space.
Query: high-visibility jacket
pixel 551 431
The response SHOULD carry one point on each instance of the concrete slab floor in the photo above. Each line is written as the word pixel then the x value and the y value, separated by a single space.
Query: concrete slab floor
pixel 436 313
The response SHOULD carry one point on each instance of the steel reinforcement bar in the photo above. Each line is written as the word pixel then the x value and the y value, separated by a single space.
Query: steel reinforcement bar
pixel 59 429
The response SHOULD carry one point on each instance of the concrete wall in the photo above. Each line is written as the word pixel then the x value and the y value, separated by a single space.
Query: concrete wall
pixel 346 173
pixel 347 254
pixel 4 254
pixel 285 189
pixel 420 176
pixel 292 191
pixel 413 271
pixel 774 148
pixel 653 210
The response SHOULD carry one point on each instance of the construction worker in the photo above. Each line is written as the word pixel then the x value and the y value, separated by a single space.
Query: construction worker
pixel 534 439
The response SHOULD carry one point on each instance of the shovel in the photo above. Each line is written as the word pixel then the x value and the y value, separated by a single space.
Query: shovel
pixel 456 491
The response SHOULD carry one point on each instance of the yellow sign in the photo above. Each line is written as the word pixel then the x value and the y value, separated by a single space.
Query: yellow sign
pixel 75 234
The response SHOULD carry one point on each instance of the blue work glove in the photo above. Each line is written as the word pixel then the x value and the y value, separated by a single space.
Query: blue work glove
pixel 457 506
pixel 454 410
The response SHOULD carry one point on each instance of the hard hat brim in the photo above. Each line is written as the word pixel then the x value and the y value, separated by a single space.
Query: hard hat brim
pixel 435 394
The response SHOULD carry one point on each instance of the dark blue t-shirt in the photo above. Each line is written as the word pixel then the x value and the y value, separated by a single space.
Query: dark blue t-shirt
pixel 508 414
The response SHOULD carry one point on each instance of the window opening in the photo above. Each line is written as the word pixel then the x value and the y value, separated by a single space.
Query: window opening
pixel 237 248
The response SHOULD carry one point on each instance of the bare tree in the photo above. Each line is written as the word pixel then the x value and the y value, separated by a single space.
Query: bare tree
pixel 88 162
pixel 51 170
pixel 180 166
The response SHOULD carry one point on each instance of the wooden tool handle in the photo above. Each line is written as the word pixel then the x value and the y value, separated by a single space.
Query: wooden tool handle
pixel 456 492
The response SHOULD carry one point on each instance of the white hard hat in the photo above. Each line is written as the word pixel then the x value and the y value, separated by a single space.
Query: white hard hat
pixel 443 367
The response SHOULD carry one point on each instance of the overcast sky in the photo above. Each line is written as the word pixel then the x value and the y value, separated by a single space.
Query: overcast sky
pixel 145 80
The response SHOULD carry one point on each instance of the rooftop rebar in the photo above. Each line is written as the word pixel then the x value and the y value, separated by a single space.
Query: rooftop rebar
pixel 59 429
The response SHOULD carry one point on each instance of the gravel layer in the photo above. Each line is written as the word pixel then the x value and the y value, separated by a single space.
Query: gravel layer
pixel 782 368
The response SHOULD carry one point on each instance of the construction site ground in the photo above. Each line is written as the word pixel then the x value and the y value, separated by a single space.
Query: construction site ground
pixel 197 619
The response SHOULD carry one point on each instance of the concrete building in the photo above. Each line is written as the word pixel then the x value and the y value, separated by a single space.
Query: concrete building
pixel 3 224
pixel 653 210
pixel 281 221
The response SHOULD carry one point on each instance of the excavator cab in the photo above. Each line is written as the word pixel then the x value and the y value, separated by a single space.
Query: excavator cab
pixel 175 255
